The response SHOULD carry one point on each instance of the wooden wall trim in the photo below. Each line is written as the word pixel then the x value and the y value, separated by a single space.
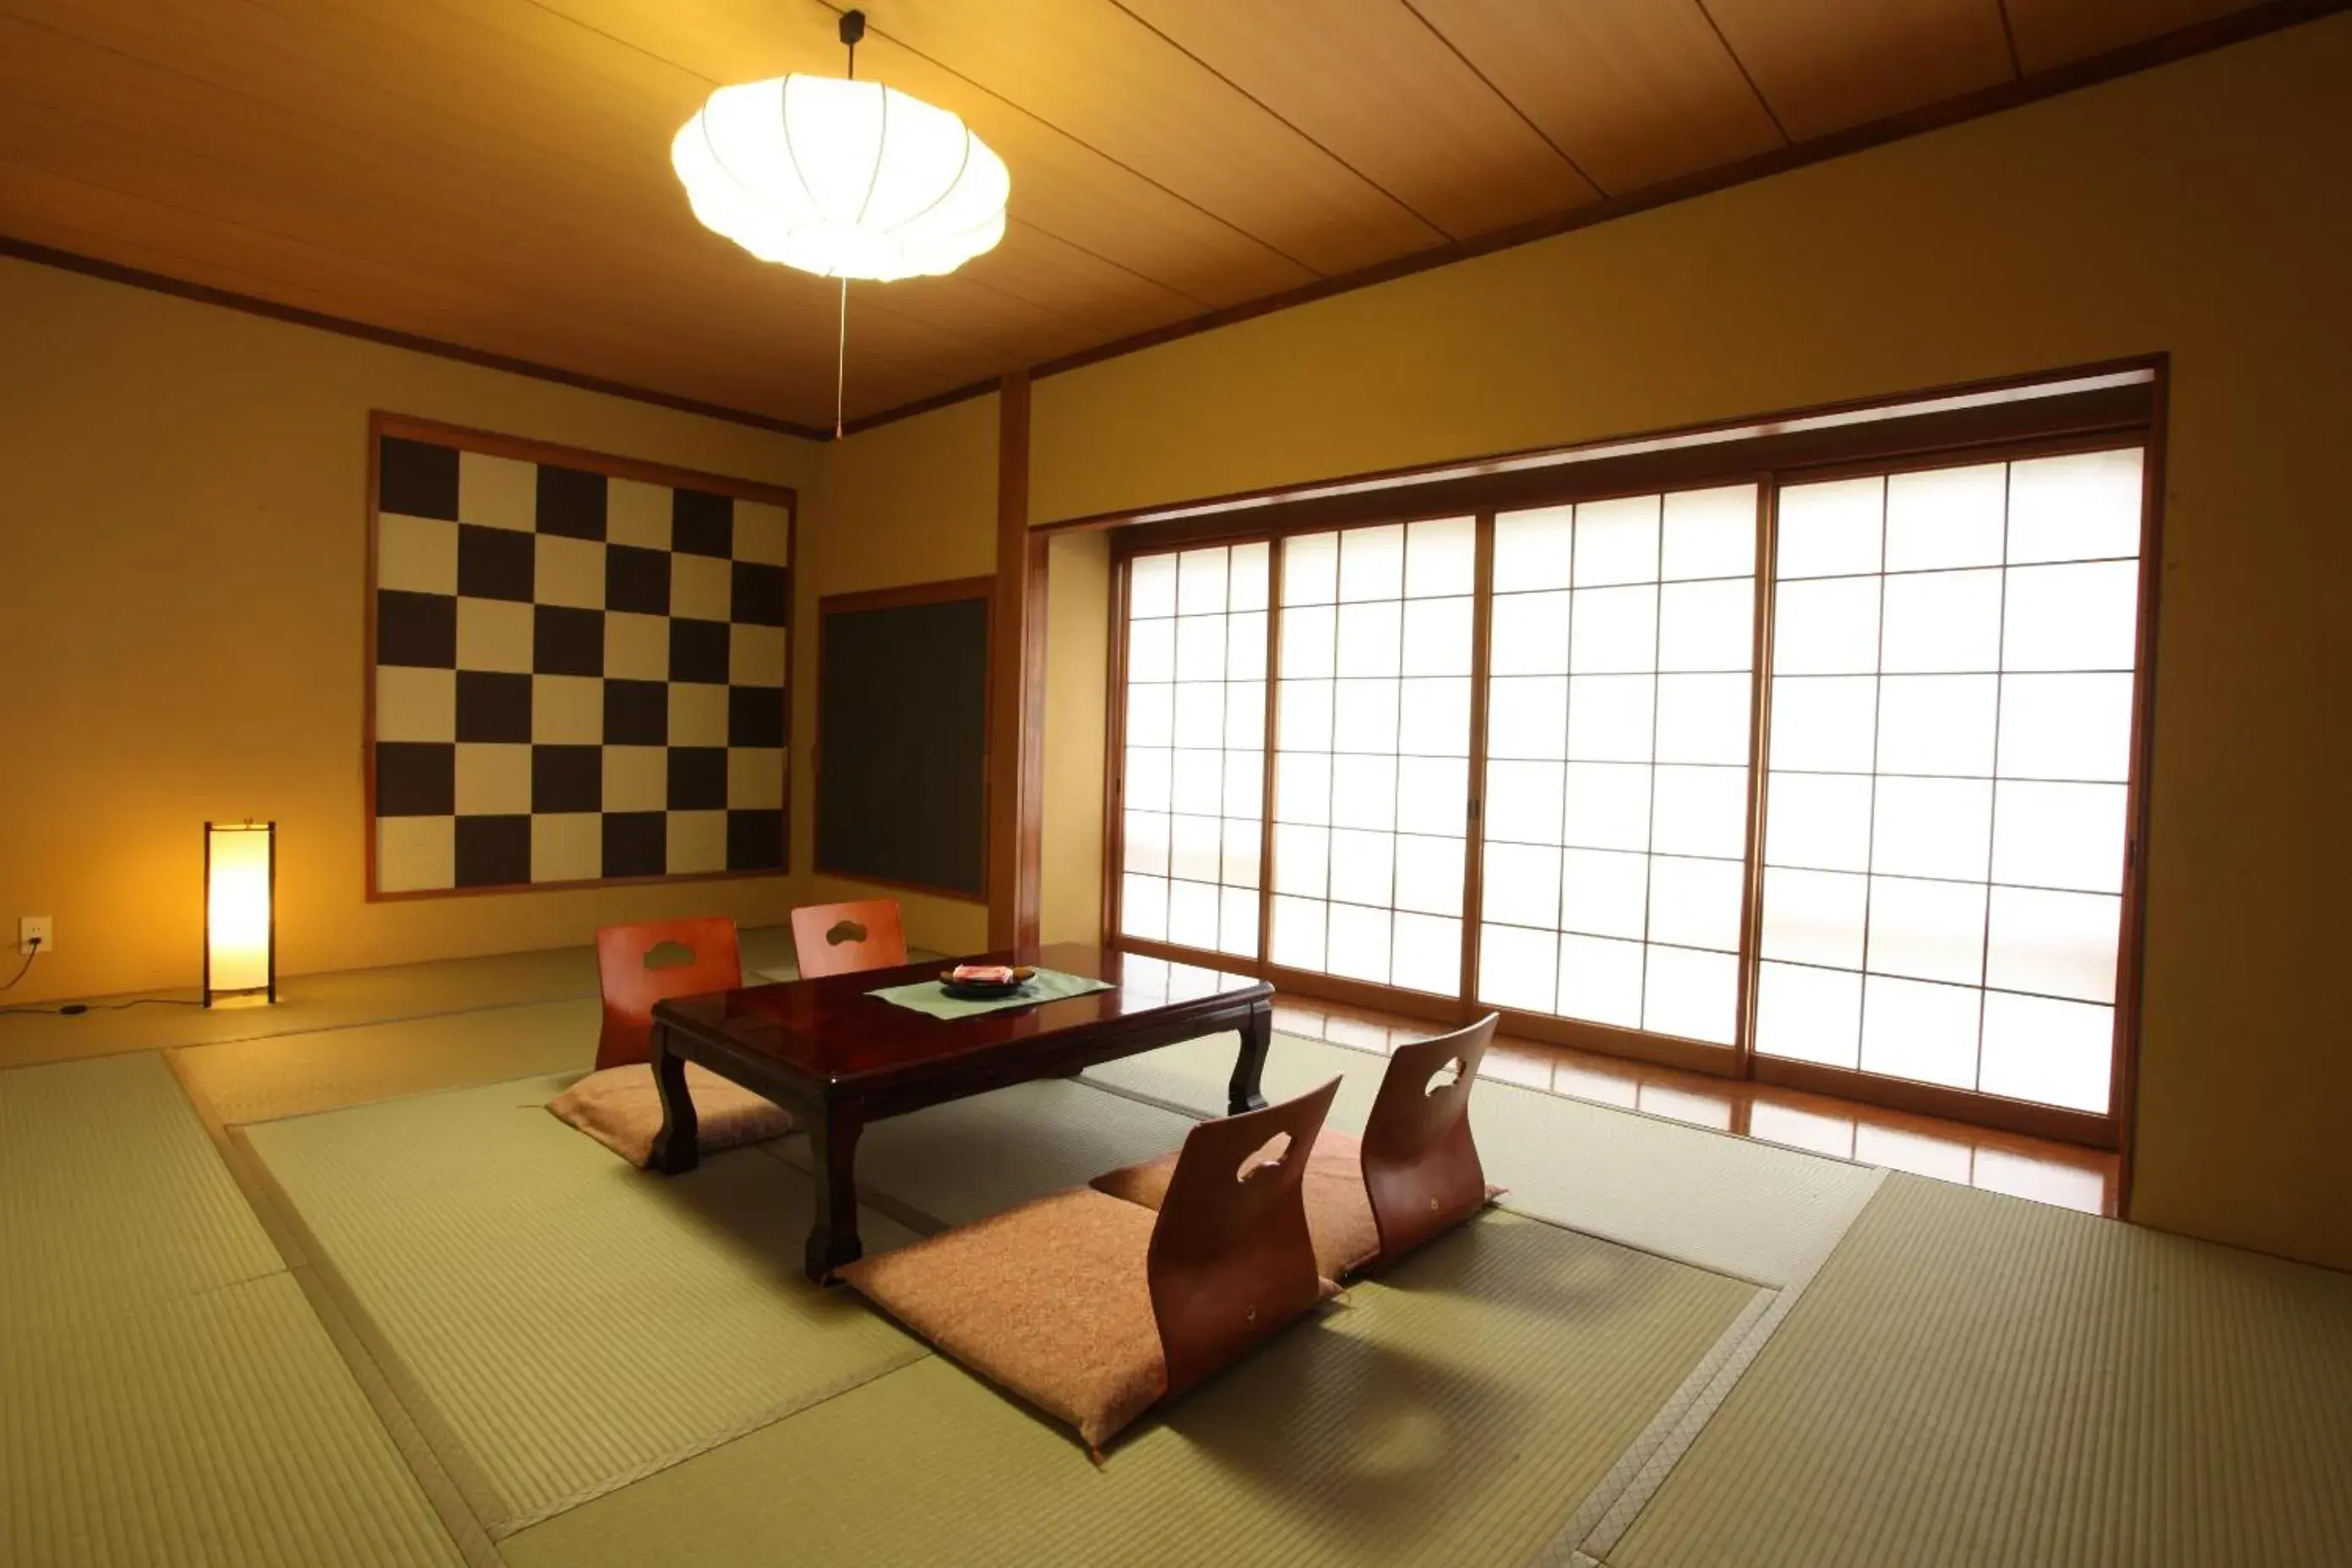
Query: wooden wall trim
pixel 498 444
pixel 939 592
pixel 1919 423
pixel 392 337
pixel 1016 753
pixel 932 404
pixel 1114 822
pixel 2131 973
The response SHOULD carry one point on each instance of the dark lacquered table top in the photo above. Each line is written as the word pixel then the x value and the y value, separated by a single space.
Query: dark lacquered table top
pixel 829 1029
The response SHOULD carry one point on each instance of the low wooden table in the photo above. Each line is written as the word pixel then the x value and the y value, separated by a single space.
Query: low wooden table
pixel 838 1058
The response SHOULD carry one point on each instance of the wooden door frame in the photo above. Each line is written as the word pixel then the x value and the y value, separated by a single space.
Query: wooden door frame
pixel 907 595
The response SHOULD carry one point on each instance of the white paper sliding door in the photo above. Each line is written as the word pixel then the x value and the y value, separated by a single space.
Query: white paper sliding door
pixel 1824 777
pixel 1194 797
pixel 1951 728
pixel 1373 754
pixel 1618 725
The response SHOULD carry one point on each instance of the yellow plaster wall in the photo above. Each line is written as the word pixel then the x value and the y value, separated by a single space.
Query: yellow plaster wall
pixel 1077 679
pixel 183 562
pixel 912 502
pixel 2203 208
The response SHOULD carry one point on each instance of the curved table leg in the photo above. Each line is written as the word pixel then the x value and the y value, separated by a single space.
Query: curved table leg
pixel 1257 1032
pixel 833 1160
pixel 677 1146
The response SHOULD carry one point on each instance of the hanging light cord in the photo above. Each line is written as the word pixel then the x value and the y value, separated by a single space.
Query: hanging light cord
pixel 852 28
pixel 841 360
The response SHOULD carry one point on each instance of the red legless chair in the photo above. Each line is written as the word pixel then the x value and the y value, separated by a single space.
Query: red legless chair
pixel 1412 1175
pixel 618 1105
pixel 633 976
pixel 1230 1262
pixel 842 939
pixel 1421 1168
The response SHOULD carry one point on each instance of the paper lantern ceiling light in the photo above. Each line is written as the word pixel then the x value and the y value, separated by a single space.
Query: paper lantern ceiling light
pixel 841 178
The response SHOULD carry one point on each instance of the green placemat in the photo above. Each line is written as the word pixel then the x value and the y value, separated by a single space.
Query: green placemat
pixel 1045 986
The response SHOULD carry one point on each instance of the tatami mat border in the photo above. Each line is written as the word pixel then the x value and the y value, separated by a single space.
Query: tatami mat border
pixel 1603 1519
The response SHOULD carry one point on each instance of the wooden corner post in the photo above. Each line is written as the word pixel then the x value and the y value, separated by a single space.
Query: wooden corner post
pixel 1016 752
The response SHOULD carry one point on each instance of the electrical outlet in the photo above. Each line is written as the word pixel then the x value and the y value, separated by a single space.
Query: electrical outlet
pixel 39 929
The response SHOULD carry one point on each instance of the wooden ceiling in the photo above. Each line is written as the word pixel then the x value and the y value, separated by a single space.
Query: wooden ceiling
pixel 494 174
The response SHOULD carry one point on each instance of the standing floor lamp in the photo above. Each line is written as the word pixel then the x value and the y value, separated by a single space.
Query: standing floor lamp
pixel 240 913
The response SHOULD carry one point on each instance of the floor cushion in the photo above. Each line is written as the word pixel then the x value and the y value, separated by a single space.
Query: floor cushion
pixel 621 1109
pixel 1049 1300
pixel 1338 1214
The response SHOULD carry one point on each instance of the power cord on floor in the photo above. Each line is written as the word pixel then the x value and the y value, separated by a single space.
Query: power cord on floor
pixel 32 951
pixel 75 1009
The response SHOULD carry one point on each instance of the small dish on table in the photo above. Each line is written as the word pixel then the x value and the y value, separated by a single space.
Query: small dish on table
pixel 986 982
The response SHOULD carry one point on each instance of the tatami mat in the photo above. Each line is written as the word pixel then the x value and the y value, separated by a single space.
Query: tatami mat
pixel 1974 1379
pixel 1730 1205
pixel 1452 1413
pixel 221 1429
pixel 780 963
pixel 341 999
pixel 1193 1075
pixel 293 1075
pixel 956 1163
pixel 558 1322
pixel 111 1195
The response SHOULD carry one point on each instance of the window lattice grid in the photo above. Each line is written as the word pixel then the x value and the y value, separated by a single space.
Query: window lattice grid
pixel 1946 795
pixel 1371 752
pixel 1194 793
pixel 1619 693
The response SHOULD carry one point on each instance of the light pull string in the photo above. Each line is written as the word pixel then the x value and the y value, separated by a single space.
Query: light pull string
pixel 841 360
pixel 852 28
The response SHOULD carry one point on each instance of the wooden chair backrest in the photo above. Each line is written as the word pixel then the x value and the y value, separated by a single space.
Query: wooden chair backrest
pixel 1420 1167
pixel 1231 1261
pixel 638 965
pixel 842 939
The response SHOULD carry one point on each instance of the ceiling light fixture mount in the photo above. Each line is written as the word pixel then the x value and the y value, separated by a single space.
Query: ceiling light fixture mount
pixel 841 178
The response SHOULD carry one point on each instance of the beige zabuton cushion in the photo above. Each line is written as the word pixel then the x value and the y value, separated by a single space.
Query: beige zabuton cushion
pixel 621 1109
pixel 1338 1214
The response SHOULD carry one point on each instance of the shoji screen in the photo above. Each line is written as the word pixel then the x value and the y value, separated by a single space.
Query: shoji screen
pixel 1195 764
pixel 1371 752
pixel 1944 842
pixel 1880 835
pixel 1617 776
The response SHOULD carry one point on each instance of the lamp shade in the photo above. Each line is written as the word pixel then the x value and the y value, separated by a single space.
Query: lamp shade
pixel 240 911
pixel 845 179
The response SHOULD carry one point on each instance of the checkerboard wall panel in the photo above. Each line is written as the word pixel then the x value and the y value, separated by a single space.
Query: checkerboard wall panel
pixel 579 675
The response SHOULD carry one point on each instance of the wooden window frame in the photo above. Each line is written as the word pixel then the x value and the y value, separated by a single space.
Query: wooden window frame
pixel 1882 437
pixel 947 591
